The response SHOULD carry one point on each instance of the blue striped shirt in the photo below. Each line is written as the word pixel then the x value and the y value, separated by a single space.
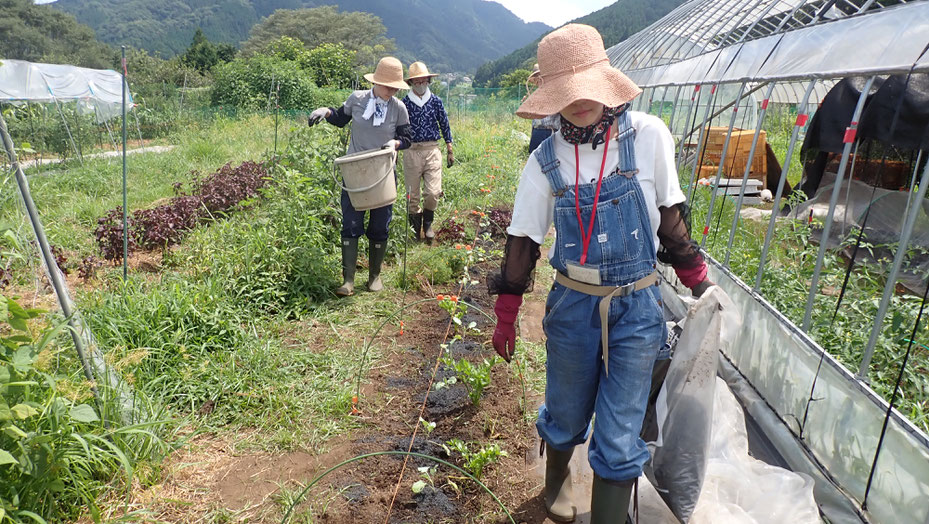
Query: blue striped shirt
pixel 427 121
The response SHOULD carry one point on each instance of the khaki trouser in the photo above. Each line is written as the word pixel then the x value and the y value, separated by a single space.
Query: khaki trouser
pixel 422 165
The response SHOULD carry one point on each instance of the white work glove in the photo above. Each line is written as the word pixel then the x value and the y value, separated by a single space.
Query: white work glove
pixel 318 115
pixel 392 145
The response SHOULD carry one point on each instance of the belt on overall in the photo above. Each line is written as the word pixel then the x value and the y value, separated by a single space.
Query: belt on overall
pixel 607 292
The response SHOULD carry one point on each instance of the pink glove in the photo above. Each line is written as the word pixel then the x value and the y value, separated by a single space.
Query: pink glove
pixel 504 339
pixel 690 277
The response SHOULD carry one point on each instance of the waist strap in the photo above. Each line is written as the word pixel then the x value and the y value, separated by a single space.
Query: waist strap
pixel 431 144
pixel 607 292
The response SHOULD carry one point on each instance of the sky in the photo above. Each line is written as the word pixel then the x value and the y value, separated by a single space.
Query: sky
pixel 553 12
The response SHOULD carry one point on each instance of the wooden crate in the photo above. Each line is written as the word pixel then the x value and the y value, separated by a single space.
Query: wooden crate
pixel 893 174
pixel 740 144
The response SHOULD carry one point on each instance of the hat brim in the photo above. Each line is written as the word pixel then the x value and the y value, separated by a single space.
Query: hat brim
pixel 429 75
pixel 605 84
pixel 396 84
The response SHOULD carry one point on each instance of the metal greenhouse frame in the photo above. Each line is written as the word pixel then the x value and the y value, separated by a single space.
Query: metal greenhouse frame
pixel 723 63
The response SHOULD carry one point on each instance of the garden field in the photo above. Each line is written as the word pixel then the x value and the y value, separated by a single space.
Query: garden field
pixel 259 395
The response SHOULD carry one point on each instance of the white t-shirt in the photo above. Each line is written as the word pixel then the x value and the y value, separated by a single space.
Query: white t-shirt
pixel 533 211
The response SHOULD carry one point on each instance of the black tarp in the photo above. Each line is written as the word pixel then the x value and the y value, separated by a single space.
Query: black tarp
pixel 901 97
pixel 895 119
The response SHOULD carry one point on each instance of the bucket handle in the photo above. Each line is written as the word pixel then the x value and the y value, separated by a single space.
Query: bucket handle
pixel 393 161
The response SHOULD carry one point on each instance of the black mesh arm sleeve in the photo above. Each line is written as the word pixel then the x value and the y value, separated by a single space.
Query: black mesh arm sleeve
pixel 517 269
pixel 677 248
pixel 404 134
pixel 338 117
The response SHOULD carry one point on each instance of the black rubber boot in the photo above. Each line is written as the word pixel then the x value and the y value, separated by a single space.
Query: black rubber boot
pixel 416 222
pixel 349 261
pixel 428 217
pixel 609 501
pixel 559 491
pixel 376 253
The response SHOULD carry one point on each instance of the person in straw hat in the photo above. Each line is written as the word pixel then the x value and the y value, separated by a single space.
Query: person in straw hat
pixel 608 181
pixel 379 120
pixel 542 128
pixel 422 163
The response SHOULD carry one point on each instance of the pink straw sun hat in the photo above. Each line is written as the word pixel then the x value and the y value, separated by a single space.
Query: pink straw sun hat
pixel 573 66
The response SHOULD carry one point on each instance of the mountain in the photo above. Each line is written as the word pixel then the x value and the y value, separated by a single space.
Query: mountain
pixel 616 22
pixel 449 35
pixel 38 34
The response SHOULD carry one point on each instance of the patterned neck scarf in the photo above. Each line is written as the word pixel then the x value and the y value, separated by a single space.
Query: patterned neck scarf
pixel 376 108
pixel 593 133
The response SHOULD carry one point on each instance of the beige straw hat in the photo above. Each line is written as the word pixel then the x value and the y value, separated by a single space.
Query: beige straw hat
pixel 534 76
pixel 573 66
pixel 389 72
pixel 418 70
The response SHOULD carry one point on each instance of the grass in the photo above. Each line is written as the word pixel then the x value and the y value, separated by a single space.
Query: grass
pixel 71 198
pixel 786 285
pixel 240 333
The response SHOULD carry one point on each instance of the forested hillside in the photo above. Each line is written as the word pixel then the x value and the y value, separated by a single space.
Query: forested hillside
pixel 615 22
pixel 38 34
pixel 457 35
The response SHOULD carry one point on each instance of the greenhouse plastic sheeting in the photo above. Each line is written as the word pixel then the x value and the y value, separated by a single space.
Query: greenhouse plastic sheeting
pixel 896 38
pixel 96 90
pixel 701 466
pixel 844 422
pixel 882 231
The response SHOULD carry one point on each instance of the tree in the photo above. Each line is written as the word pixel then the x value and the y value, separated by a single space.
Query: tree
pixel 362 33
pixel 40 34
pixel 515 78
pixel 202 54
pixel 331 65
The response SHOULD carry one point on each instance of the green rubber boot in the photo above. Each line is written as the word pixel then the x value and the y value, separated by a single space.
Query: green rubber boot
pixel 376 254
pixel 349 261
pixel 609 501
pixel 559 491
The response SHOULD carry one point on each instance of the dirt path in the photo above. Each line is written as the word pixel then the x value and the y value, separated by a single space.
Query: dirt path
pixel 146 149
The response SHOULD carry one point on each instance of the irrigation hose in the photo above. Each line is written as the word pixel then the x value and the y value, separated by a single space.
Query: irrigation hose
pixel 408 454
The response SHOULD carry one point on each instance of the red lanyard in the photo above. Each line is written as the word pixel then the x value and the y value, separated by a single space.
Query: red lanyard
pixel 585 239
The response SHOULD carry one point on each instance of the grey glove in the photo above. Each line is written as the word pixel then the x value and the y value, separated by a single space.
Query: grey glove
pixel 450 158
pixel 392 145
pixel 701 288
pixel 317 115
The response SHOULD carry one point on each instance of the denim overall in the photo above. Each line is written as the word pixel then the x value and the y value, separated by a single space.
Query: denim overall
pixel 577 383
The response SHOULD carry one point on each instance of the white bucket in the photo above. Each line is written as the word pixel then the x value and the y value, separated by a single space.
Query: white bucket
pixel 367 177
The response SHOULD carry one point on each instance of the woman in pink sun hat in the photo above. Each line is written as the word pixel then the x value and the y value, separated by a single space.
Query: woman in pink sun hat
pixel 608 182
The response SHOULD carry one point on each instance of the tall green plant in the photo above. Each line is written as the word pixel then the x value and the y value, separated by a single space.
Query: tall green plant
pixel 55 454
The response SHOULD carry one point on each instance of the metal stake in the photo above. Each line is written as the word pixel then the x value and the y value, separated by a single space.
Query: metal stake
pixel 693 98
pixel 722 165
pixel 799 124
pixel 833 200
pixel 911 216
pixel 125 192
pixel 748 169
pixel 701 140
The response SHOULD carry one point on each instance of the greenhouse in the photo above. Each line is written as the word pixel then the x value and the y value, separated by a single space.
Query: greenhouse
pixel 175 345
pixel 722 73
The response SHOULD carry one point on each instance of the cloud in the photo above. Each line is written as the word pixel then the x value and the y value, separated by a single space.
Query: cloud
pixel 552 12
